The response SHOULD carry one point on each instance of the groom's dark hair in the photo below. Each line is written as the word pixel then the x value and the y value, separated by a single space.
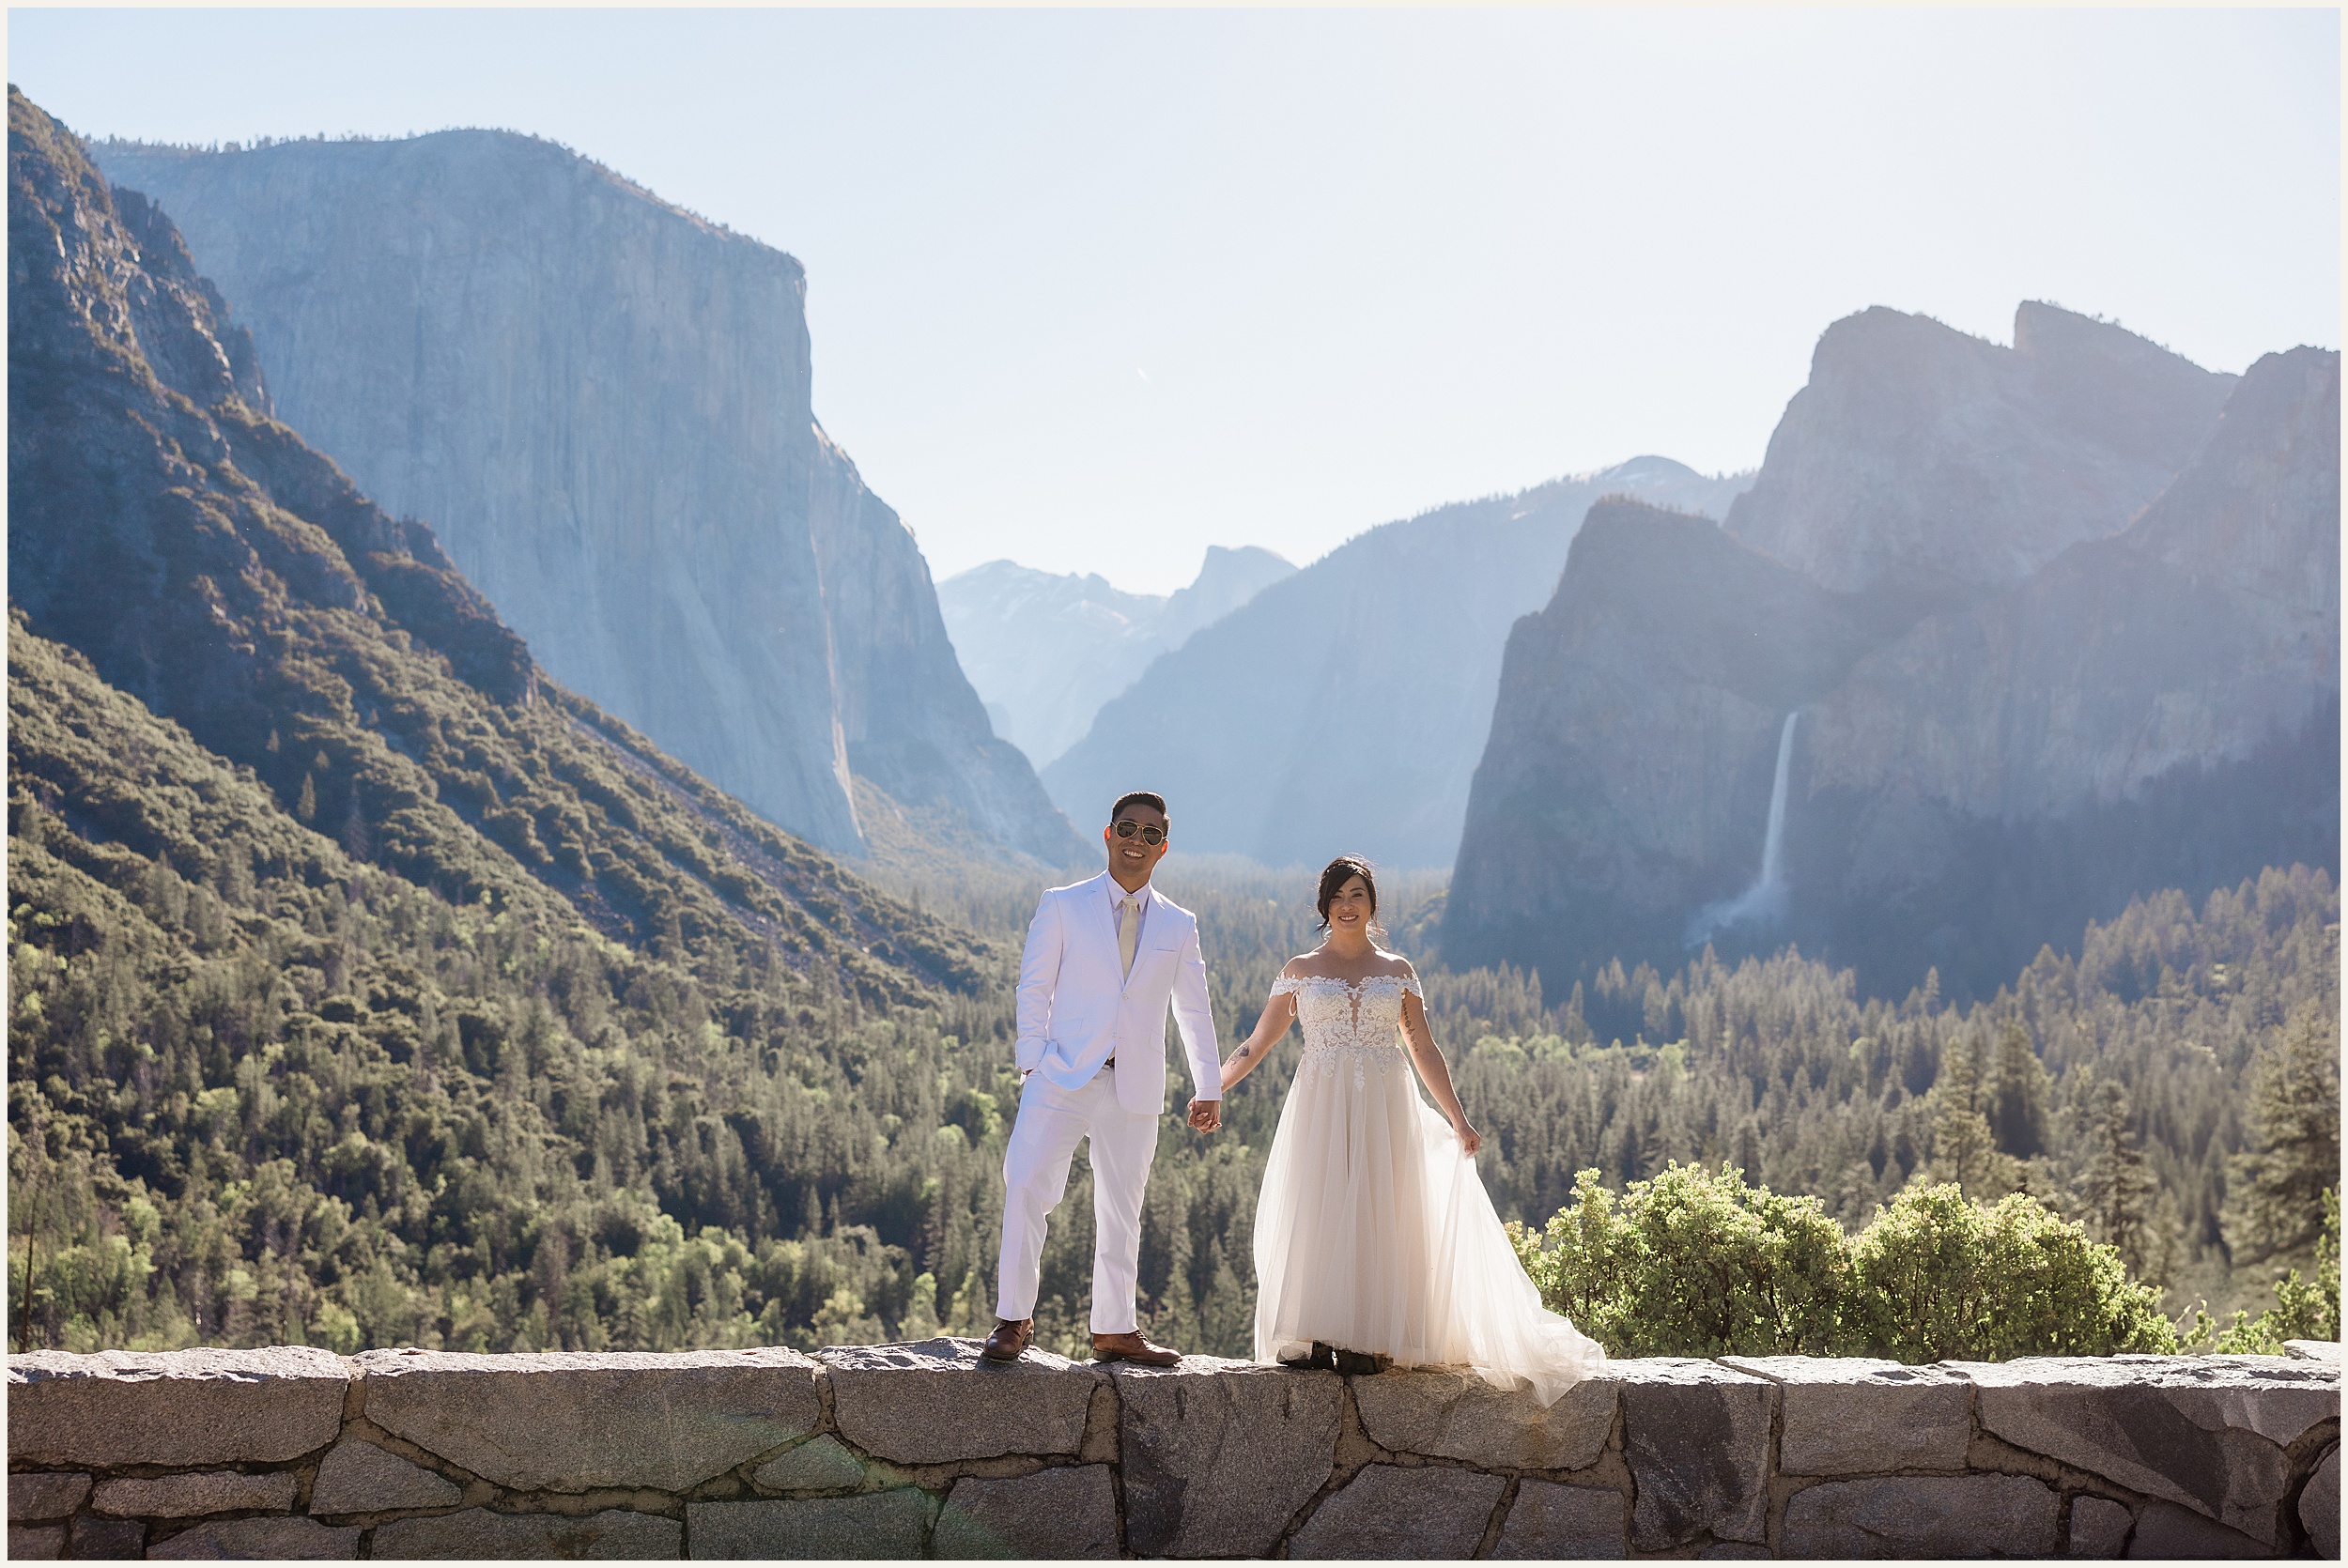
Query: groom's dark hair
pixel 1149 798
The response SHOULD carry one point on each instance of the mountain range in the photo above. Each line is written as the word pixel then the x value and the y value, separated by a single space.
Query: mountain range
pixel 1998 638
pixel 1342 709
pixel 1045 650
pixel 604 404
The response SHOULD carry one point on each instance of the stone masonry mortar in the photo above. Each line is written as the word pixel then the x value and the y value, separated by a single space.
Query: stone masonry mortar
pixel 908 1450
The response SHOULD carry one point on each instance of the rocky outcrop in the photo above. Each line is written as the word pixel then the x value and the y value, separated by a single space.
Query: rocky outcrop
pixel 603 406
pixel 2156 708
pixel 2191 638
pixel 1920 459
pixel 2002 732
pixel 1377 665
pixel 924 1450
pixel 1045 650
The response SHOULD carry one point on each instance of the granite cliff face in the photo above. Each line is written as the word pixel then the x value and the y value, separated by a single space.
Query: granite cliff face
pixel 1342 709
pixel 2160 708
pixel 169 541
pixel 1922 460
pixel 1635 732
pixel 603 406
pixel 1045 650
pixel 1978 766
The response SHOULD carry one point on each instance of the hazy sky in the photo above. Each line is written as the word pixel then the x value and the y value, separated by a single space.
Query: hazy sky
pixel 1095 289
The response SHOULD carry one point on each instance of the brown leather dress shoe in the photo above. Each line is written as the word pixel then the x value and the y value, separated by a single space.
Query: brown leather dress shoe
pixel 1009 1341
pixel 1132 1348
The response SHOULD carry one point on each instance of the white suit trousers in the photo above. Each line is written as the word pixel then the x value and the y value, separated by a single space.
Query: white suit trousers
pixel 1035 1177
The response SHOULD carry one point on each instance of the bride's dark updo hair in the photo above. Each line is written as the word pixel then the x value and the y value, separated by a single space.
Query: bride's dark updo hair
pixel 1344 869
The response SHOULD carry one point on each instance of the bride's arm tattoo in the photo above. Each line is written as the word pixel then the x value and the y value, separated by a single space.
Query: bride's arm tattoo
pixel 1431 1065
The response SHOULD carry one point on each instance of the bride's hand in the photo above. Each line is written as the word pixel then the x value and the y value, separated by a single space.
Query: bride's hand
pixel 1470 1140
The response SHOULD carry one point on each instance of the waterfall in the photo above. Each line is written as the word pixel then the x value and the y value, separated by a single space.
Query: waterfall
pixel 1764 900
pixel 1772 841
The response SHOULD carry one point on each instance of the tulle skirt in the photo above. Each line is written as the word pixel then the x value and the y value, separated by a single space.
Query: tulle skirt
pixel 1374 1234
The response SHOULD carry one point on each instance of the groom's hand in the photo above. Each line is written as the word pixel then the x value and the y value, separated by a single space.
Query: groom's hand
pixel 1206 1114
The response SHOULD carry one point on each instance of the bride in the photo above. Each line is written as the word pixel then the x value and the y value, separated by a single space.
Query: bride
pixel 1375 1240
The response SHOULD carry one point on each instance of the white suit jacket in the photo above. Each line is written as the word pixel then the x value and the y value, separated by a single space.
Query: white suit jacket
pixel 1077 1009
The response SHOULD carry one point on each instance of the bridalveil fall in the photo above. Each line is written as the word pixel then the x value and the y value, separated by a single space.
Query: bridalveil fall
pixel 1764 900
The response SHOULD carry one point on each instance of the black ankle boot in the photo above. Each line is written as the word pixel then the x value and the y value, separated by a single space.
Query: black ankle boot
pixel 1357 1364
pixel 1319 1358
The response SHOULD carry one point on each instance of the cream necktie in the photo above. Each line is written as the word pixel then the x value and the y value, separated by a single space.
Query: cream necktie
pixel 1128 930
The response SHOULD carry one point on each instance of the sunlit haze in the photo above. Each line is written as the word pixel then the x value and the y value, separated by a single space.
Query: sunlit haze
pixel 1094 290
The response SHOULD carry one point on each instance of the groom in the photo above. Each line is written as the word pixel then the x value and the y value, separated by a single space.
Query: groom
pixel 1104 958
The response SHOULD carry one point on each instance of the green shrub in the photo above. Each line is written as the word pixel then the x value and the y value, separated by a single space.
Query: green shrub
pixel 1693 1264
pixel 2303 1309
pixel 1937 1277
pixel 1697 1264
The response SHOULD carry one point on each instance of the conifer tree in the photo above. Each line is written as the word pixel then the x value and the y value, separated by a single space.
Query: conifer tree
pixel 2115 1191
pixel 2295 1139
pixel 2017 1100
pixel 1963 1147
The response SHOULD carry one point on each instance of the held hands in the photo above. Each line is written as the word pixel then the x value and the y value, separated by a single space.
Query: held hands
pixel 1206 1114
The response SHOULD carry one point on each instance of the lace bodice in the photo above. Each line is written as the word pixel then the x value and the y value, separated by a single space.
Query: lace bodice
pixel 1355 1024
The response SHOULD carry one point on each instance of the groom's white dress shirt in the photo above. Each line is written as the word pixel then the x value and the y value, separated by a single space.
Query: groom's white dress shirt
pixel 1092 1051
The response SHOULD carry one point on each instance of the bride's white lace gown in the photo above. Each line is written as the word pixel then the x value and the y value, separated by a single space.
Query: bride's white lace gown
pixel 1373 1232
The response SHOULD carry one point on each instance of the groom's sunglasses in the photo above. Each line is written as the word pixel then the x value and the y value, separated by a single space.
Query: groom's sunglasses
pixel 1127 828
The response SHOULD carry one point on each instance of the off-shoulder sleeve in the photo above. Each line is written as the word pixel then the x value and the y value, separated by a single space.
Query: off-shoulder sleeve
pixel 1286 985
pixel 1410 983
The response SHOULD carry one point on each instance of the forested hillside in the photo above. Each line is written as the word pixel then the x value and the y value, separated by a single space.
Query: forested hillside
pixel 290 1097
pixel 261 1091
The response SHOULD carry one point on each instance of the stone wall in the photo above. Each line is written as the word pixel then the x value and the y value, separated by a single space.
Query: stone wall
pixel 921 1449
